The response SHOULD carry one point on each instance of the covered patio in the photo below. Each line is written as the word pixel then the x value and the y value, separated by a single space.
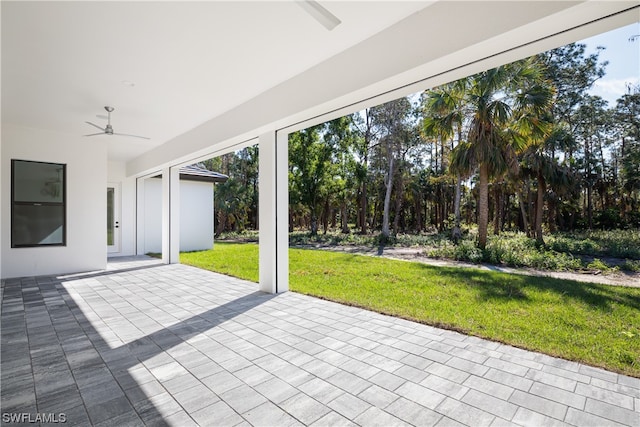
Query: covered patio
pixel 145 343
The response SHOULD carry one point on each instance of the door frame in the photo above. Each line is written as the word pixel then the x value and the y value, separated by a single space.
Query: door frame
pixel 117 212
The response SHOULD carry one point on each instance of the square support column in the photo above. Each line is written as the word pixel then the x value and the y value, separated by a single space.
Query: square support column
pixel 171 215
pixel 140 224
pixel 273 175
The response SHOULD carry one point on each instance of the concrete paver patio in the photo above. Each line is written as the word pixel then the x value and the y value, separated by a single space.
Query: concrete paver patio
pixel 150 344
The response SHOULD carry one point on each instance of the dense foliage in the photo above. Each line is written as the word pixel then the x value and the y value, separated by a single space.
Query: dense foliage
pixel 522 147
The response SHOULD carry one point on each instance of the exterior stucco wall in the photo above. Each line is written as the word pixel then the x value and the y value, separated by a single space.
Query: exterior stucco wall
pixel 86 179
pixel 196 215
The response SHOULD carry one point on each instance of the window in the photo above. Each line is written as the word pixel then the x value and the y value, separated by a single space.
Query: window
pixel 38 204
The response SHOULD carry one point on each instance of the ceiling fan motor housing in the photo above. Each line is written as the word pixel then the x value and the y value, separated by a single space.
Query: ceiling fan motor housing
pixel 108 130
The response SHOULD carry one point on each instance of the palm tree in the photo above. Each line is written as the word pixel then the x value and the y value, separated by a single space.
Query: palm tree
pixel 444 118
pixel 507 106
pixel 546 170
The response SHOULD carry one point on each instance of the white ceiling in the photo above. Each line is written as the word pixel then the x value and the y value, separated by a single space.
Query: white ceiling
pixel 62 62
pixel 211 73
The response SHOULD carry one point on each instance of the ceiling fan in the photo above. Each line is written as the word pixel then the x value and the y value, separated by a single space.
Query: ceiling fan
pixel 108 130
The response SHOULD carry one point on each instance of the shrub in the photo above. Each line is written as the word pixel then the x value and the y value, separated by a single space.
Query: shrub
pixel 630 265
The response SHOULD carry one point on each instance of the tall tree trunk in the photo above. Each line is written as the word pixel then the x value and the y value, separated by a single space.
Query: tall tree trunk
pixel 542 187
pixel 532 222
pixel 497 212
pixel 325 216
pixel 483 206
pixel 363 208
pixel 418 200
pixel 343 218
pixel 523 212
pixel 387 199
pixel 456 233
pixel 398 207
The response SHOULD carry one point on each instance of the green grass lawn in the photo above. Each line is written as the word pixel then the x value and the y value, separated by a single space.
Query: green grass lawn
pixel 595 324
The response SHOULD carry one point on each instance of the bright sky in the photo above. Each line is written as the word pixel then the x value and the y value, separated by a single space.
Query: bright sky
pixel 624 61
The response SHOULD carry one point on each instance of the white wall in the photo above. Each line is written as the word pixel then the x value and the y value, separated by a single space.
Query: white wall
pixel 116 173
pixel 86 161
pixel 196 215
pixel 152 226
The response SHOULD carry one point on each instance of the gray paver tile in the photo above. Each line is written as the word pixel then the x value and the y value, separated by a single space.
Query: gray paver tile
pixel 221 382
pixel 304 408
pixel 598 373
pixel 180 419
pixel 436 356
pixel 444 371
pixel 508 379
pixel 321 390
pixel 293 375
pixel 196 398
pixel 529 418
pixel 558 395
pixel 482 384
pixel 144 391
pixel 539 404
pixel 376 417
pixel 448 422
pixel 616 388
pixel 349 382
pixel 490 404
pixel 168 371
pixel 416 361
pixel 607 396
pixel 276 390
pixel 566 373
pixel 413 413
pixel 333 419
pixel 128 419
pixel 267 414
pixel 77 416
pixel 499 422
pixel 387 380
pixel 503 365
pixel 467 366
pixel 552 380
pixel 410 373
pixel 157 407
pixel 348 405
pixel 378 396
pixel 444 386
pixel 420 394
pixel 104 410
pixel 463 413
pixel 612 412
pixel 584 419
pixel 218 414
pixel 180 383
pixel 629 381
pixel 242 398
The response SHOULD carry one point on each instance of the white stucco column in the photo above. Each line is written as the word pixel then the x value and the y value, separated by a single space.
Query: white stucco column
pixel 140 224
pixel 171 215
pixel 274 212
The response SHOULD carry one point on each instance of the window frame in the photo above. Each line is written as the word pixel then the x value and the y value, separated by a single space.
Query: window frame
pixel 15 203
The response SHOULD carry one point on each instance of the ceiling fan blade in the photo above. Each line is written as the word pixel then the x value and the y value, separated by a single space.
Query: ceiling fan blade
pixel 95 126
pixel 95 134
pixel 320 14
pixel 132 136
